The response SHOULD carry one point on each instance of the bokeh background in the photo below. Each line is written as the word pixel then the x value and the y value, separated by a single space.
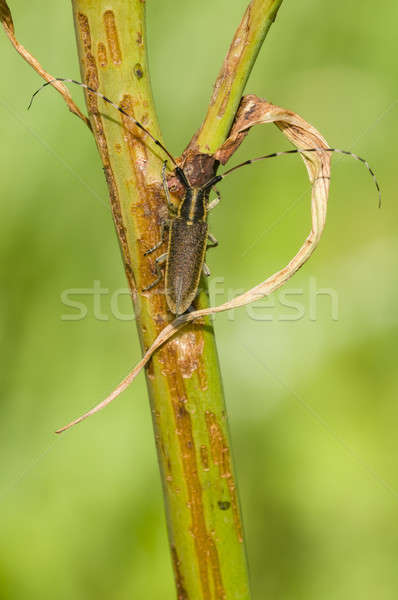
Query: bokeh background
pixel 312 400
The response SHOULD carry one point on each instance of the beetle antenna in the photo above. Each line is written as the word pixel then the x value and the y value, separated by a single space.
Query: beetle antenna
pixel 218 178
pixel 121 110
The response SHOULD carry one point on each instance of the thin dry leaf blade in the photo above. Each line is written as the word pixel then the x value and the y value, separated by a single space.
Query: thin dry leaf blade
pixel 5 16
pixel 7 22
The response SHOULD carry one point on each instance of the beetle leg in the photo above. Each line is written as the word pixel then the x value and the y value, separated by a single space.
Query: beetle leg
pixel 164 181
pixel 206 270
pixel 213 240
pixel 158 261
pixel 164 225
pixel 171 207
pixel 172 210
pixel 214 202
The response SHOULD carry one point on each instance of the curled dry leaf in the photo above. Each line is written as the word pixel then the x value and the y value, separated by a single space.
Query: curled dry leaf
pixel 255 111
pixel 8 25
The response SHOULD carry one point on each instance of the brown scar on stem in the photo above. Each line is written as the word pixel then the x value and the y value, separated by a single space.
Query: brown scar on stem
pixel 226 78
pixel 179 579
pixel 133 133
pixel 231 62
pixel 194 490
pixel 221 457
pixel 204 456
pixel 112 37
pixel 138 71
pixel 149 211
pixel 90 66
pixel 91 78
pixel 150 370
pixel 189 346
pixel 102 55
pixel 202 376
pixel 219 590
pixel 169 476
pixel 161 446
pixel 205 547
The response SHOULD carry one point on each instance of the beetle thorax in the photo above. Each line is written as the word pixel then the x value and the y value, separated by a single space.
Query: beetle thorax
pixel 193 208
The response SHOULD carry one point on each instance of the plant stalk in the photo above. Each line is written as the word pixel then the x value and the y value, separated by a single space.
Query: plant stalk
pixel 183 378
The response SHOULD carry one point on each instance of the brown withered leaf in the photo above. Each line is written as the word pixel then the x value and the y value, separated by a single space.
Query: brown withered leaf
pixel 5 16
pixel 8 25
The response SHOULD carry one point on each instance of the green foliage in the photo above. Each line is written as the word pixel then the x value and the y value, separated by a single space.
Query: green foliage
pixel 312 402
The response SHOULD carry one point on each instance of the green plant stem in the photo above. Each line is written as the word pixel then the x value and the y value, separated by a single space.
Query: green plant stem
pixel 183 378
pixel 235 71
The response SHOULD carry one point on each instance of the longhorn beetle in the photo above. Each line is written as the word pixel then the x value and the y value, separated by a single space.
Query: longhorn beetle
pixel 188 237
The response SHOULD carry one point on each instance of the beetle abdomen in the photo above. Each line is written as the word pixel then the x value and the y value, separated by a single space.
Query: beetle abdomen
pixel 186 253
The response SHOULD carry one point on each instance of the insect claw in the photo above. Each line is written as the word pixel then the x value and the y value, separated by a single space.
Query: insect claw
pixel 206 270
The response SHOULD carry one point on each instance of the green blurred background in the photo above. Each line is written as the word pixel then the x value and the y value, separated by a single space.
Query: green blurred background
pixel 312 401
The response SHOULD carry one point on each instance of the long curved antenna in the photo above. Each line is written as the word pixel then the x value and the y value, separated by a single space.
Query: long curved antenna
pixel 218 178
pixel 90 89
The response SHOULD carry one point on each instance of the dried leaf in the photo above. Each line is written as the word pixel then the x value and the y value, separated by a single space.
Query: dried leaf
pixel 5 17
pixel 255 111
pixel 8 25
